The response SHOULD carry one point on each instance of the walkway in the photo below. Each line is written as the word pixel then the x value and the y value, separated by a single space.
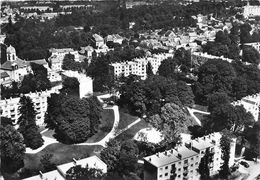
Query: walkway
pixel 192 111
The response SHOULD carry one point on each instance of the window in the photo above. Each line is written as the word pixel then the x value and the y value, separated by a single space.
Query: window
pixel 186 161
pixel 191 165
pixel 196 163
pixel 179 176
pixel 166 167
pixel 160 176
pixel 179 169
pixel 166 174
pixel 179 162
pixel 161 169
pixel 191 158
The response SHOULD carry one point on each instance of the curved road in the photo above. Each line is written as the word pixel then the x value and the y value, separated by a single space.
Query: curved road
pixel 192 111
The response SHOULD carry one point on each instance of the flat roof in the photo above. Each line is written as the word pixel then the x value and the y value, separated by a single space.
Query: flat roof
pixel 52 175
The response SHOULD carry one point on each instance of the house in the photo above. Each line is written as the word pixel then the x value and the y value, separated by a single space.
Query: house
pixel 250 11
pixel 115 38
pixel 98 40
pixel 15 67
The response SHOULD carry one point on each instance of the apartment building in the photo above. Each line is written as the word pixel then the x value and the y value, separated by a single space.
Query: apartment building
pixel 183 161
pixel 138 65
pixel 250 11
pixel 9 107
pixel 251 104
pixel 60 173
pixel 199 58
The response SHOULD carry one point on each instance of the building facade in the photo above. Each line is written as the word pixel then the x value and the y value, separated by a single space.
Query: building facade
pixel 251 104
pixel 138 66
pixel 9 107
pixel 183 161
pixel 251 11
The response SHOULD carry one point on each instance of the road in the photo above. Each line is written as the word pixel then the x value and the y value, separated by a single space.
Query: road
pixel 192 111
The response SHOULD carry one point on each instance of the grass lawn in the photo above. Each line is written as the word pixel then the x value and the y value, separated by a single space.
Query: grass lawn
pixel 125 119
pixel 201 117
pixel 61 154
pixel 105 127
pixel 130 133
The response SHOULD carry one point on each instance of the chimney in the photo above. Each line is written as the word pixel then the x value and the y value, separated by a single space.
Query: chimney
pixel 74 161
pixel 172 151
pixel 41 174
pixel 165 153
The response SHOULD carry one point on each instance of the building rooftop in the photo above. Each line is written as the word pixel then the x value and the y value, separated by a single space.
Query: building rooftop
pixel 39 61
pixel 19 62
pixel 52 175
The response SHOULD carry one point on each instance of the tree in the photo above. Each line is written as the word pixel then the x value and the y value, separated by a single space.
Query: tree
pixel 167 67
pixel 46 162
pixel 217 99
pixel 250 55
pixel 149 69
pixel 27 123
pixel 224 171
pixel 110 154
pixel 185 93
pixel 254 139
pixel 204 165
pixel 84 173
pixel 12 149
pixel 127 160
pixel 70 85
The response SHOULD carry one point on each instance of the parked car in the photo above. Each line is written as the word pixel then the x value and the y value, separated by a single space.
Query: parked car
pixel 245 164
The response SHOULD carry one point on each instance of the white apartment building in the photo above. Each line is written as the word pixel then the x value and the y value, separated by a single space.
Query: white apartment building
pixel 199 58
pixel 251 104
pixel 60 173
pixel 9 107
pixel 138 66
pixel 250 11
pixel 183 161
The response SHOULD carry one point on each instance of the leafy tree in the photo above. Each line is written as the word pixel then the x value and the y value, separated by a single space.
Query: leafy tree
pixel 46 162
pixel 240 89
pixel 224 171
pixel 250 55
pixel 214 76
pixel 27 123
pixel 254 139
pixel 74 120
pixel 12 149
pixel 110 154
pixel 84 173
pixel 149 69
pixel 217 99
pixel 69 63
pixel 167 67
pixel 70 85
pixel 185 93
pixel 204 165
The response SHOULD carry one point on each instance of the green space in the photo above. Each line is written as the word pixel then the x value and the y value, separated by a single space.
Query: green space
pixel 105 127
pixel 125 119
pixel 130 133
pixel 61 154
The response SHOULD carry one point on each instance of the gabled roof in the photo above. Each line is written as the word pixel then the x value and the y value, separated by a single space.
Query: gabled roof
pixel 97 37
pixel 4 75
pixel 39 61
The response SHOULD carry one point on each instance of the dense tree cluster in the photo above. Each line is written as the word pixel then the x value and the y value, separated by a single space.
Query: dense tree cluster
pixel 84 173
pixel 235 79
pixel 250 55
pixel 12 148
pixel 27 124
pixel 148 96
pixel 121 158
pixel 74 120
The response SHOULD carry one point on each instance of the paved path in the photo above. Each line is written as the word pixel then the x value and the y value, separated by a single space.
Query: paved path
pixel 192 111
pixel 47 142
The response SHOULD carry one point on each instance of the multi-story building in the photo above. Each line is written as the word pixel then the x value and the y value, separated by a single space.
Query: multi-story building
pixel 251 104
pixel 138 65
pixel 60 173
pixel 9 107
pixel 98 40
pixel 250 11
pixel 183 161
